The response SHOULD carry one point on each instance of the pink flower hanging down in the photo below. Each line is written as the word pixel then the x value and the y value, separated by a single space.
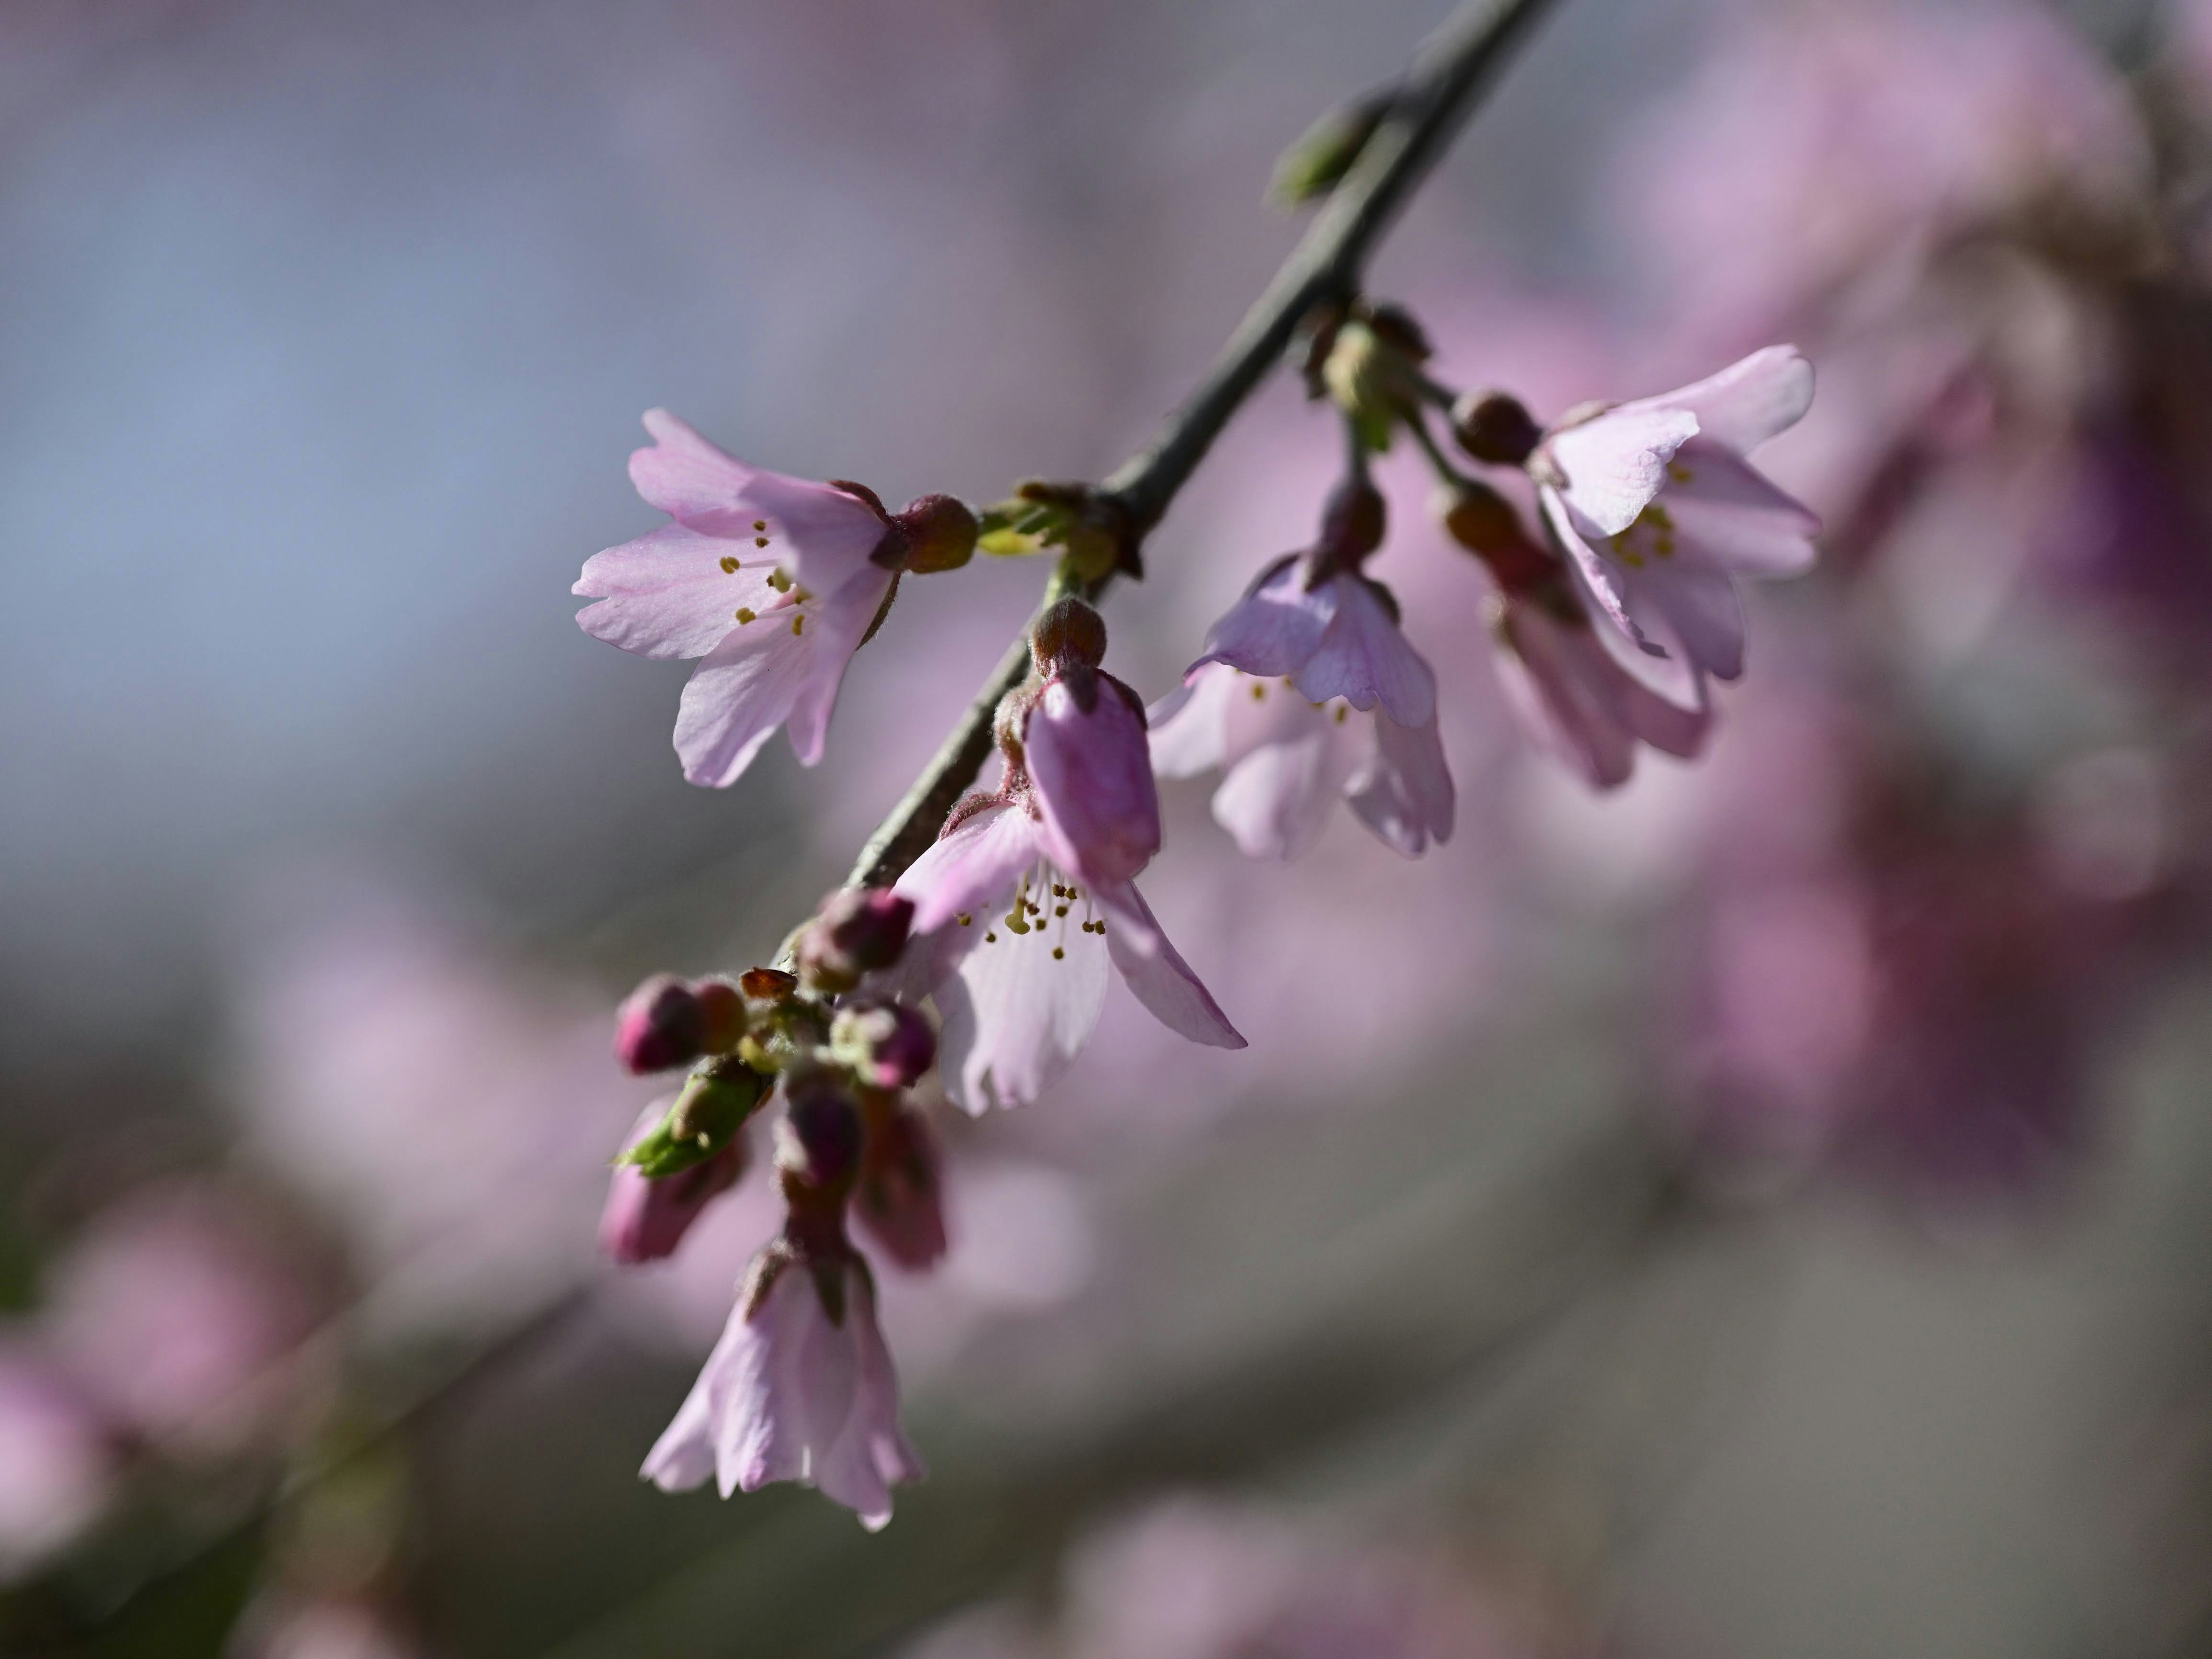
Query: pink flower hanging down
pixel 770 580
pixel 1575 702
pixel 799 1387
pixel 1030 895
pixel 1305 692
pixel 644 1219
pixel 1285 759
pixel 1659 513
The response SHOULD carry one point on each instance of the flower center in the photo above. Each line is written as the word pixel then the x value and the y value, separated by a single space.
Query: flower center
pixel 1026 915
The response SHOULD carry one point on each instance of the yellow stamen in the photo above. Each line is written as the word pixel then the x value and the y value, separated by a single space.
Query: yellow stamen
pixel 729 565
pixel 745 616
pixel 797 622
pixel 760 524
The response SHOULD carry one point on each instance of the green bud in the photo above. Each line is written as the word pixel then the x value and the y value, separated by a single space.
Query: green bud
pixel 716 1100
pixel 1317 159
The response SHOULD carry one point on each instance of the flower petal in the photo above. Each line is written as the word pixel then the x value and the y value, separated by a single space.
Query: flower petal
pixel 1704 608
pixel 744 689
pixel 1729 516
pixel 1366 658
pixel 833 632
pixel 1092 774
pixel 820 534
pixel 1187 726
pixel 1272 629
pixel 669 593
pixel 1746 402
pixel 1158 975
pixel 1556 678
pixel 970 870
pixel 1614 464
pixel 1276 800
pixel 1016 1016
pixel 1404 793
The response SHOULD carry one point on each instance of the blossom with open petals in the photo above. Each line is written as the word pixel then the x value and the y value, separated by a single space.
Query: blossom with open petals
pixel 1016 951
pixel 1285 758
pixel 1576 702
pixel 799 1387
pixel 1659 512
pixel 771 582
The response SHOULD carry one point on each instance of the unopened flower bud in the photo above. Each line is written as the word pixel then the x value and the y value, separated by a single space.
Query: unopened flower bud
pixel 887 1044
pixel 1484 522
pixel 723 1007
pixel 1495 427
pixel 940 532
pixel 645 1219
pixel 660 1026
pixel 1070 631
pixel 769 986
pixel 1373 374
pixel 858 930
pixel 706 1115
pixel 1319 157
pixel 899 1198
pixel 819 1138
pixel 1352 527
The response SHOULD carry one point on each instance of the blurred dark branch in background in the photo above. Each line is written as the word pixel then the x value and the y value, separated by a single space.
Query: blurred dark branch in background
pixel 1423 114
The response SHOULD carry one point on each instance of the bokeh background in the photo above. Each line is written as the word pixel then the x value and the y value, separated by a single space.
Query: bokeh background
pixel 1759 1212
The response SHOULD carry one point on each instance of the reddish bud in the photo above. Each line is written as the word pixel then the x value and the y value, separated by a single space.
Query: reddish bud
pixel 722 1006
pixel 887 1044
pixel 769 985
pixel 1484 523
pixel 1495 427
pixel 940 533
pixel 858 930
pixel 819 1140
pixel 1069 632
pixel 659 1025
pixel 898 1198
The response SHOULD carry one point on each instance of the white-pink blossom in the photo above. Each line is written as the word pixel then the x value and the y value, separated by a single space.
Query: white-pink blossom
pixel 1285 758
pixel 799 1387
pixel 769 580
pixel 1016 951
pixel 1659 512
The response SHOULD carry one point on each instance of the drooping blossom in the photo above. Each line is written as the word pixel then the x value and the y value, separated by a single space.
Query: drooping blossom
pixel 646 1218
pixel 1285 758
pixel 57 1464
pixel 799 1387
pixel 772 582
pixel 1329 635
pixel 898 1198
pixel 1659 512
pixel 1576 703
pixel 1074 820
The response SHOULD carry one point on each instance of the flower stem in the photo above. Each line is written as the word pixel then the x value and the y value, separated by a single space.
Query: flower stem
pixel 1446 81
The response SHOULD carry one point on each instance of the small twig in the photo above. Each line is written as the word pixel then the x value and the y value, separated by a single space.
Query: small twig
pixel 1438 95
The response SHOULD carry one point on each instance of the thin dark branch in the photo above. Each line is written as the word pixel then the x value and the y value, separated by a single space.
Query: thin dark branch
pixel 1439 94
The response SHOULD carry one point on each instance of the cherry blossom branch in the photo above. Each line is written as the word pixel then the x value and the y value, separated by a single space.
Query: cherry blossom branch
pixel 1423 115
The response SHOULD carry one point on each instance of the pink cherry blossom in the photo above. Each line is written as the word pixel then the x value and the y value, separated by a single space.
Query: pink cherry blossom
pixel 1020 992
pixel 899 1197
pixel 1576 703
pixel 799 1387
pixel 768 580
pixel 1285 758
pixel 644 1219
pixel 1659 513
pixel 1336 639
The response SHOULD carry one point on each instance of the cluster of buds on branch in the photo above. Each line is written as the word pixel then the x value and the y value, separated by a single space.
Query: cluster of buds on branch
pixel 1612 619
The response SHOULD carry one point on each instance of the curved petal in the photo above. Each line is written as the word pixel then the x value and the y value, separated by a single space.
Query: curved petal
pixel 1746 402
pixel 1599 579
pixel 833 628
pixel 970 871
pixel 1405 794
pixel 1276 800
pixel 1702 605
pixel 1728 514
pixel 1555 678
pixel 1158 975
pixel 684 1457
pixel 673 592
pixel 1366 658
pixel 741 693
pixel 1189 726
pixel 1611 464
pixel 820 534
pixel 1272 630
pixel 1091 774
pixel 1015 1015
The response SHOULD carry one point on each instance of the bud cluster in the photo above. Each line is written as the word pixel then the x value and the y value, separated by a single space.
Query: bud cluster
pixel 843 1059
